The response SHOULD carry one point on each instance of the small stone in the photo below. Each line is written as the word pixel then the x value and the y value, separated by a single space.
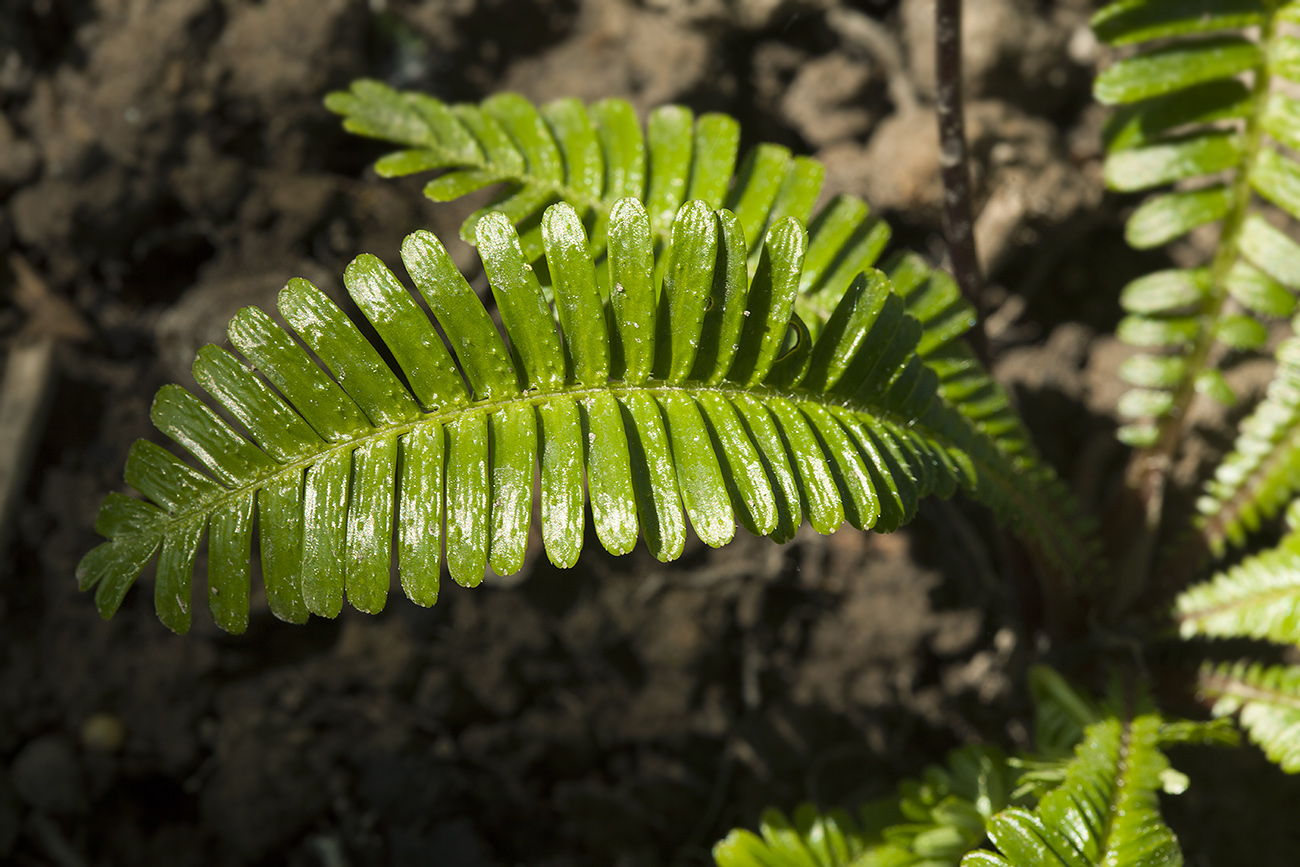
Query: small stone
pixel 48 776
pixel 103 733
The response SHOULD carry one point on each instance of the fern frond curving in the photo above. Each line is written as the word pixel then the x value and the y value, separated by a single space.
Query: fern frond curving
pixel 1199 119
pixel 1259 598
pixel 676 156
pixel 1262 472
pixel 1266 699
pixel 934 820
pixel 703 400
pixel 1105 811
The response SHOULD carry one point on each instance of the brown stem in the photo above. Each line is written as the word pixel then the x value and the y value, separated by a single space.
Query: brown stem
pixel 958 223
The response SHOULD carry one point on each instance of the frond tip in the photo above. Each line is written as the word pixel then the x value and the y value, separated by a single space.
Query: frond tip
pixel 701 399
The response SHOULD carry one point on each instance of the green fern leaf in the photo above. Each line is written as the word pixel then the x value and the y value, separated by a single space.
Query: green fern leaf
pixel 679 155
pixel 1267 701
pixel 1176 67
pixel 1105 811
pixel 1260 598
pixel 703 400
pixel 1262 472
pixel 1061 714
pixel 1185 119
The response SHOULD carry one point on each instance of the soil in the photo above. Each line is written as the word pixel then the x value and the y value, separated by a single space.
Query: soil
pixel 165 162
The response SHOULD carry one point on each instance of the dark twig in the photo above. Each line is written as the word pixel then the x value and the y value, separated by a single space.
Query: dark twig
pixel 958 224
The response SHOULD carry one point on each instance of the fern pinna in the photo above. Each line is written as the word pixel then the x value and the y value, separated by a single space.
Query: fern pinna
pixel 1188 119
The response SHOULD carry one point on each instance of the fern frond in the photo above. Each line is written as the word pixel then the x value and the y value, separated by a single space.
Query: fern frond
pixel 1262 472
pixel 703 401
pixel 592 156
pixel 1267 701
pixel 1185 118
pixel 679 155
pixel 812 839
pixel 1260 598
pixel 1105 811
pixel 933 820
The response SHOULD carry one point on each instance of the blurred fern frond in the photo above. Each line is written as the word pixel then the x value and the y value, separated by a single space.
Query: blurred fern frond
pixel 1200 120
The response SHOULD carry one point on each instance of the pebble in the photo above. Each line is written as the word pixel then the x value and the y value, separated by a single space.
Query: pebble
pixel 103 733
pixel 48 776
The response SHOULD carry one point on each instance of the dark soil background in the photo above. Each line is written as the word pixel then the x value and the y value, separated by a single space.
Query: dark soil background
pixel 165 162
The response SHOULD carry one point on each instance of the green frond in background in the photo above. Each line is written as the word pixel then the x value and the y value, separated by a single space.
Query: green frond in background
pixel 1092 801
pixel 592 156
pixel 932 822
pixel 1267 701
pixel 705 400
pixel 1060 713
pixel 1199 119
pixel 812 839
pixel 1105 811
pixel 1262 472
pixel 1259 598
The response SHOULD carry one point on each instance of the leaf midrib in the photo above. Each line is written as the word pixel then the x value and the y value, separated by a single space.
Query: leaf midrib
pixel 1123 767
pixel 1245 691
pixel 206 507
pixel 1252 600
